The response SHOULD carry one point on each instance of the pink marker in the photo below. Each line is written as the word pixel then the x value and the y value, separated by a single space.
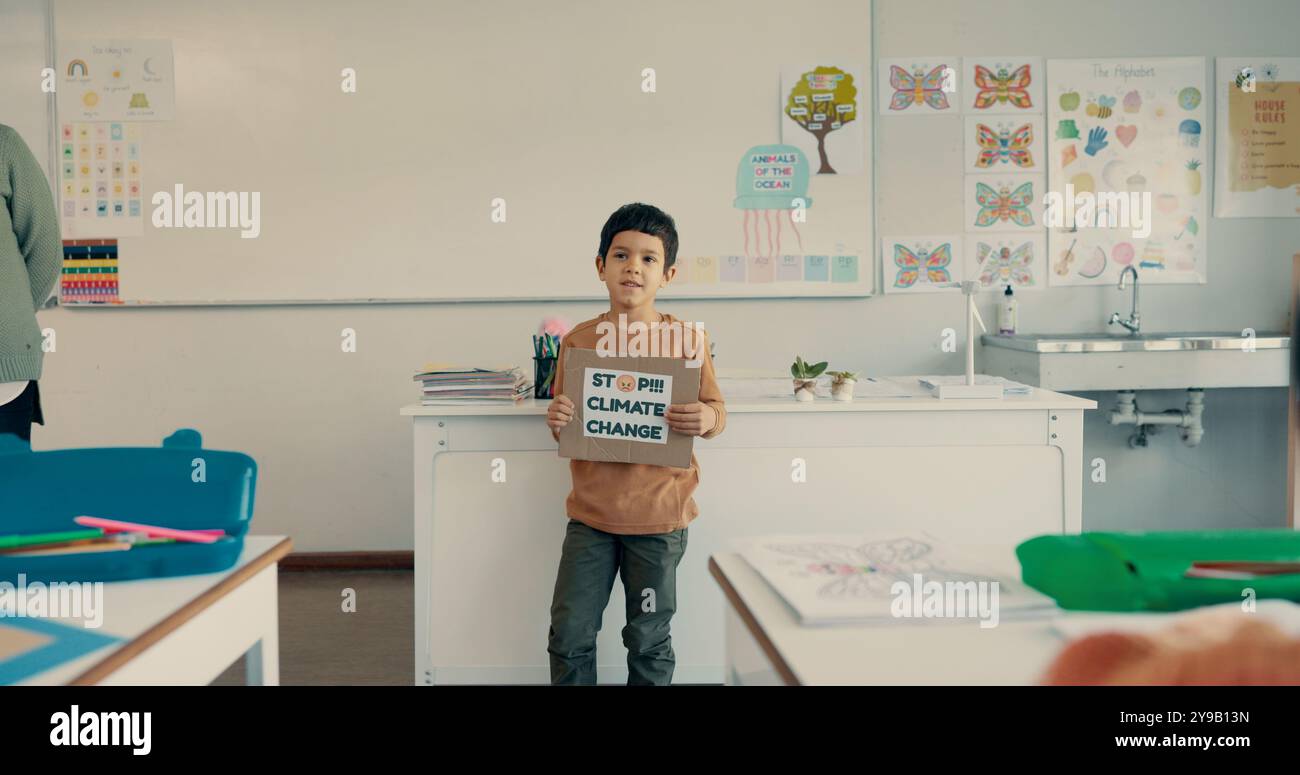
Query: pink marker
pixel 205 531
pixel 193 536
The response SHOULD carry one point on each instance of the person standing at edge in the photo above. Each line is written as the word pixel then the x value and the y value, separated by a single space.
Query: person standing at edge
pixel 30 258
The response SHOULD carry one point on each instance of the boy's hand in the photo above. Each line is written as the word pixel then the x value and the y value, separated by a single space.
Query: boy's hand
pixel 558 414
pixel 693 419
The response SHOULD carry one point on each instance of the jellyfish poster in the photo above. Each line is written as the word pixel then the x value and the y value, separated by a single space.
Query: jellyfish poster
pixel 819 108
pixel 1257 157
pixel 772 194
pixel 1127 145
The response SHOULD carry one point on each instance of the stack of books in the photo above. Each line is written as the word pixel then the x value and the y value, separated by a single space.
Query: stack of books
pixel 448 384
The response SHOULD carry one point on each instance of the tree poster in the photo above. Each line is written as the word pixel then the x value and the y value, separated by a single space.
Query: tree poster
pixel 819 111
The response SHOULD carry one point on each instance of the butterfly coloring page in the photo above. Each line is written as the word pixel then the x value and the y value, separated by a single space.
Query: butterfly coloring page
pixel 919 86
pixel 1002 85
pixel 1002 144
pixel 1017 260
pixel 922 264
pixel 1003 202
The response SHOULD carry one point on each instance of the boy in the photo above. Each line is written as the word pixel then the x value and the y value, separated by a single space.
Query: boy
pixel 628 518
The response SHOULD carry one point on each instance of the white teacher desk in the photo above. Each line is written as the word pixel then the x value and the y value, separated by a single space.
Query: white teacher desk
pixel 186 630
pixel 490 490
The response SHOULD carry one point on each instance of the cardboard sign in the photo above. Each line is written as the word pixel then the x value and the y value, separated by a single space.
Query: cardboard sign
pixel 620 408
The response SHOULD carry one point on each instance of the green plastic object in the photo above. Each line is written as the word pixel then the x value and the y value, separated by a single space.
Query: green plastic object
pixel 1144 571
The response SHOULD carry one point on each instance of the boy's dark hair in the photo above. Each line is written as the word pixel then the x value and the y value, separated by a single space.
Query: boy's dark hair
pixel 646 219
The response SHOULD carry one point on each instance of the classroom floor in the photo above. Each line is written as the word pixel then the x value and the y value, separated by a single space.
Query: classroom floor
pixel 320 645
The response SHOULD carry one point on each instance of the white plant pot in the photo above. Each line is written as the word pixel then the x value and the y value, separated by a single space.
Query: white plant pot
pixel 804 389
pixel 843 390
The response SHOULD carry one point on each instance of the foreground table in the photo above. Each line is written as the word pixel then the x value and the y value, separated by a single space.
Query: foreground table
pixel 187 629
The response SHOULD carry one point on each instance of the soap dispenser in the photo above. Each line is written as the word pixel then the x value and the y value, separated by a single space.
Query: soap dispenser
pixel 1007 313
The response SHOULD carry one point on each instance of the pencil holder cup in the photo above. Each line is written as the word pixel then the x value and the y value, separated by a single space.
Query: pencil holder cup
pixel 544 377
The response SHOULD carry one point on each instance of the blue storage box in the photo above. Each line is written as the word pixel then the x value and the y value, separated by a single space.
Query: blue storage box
pixel 41 492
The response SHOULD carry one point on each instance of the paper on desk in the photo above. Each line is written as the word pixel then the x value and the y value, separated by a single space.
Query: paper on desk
pixel 854 579
pixel 1284 614
pixel 884 387
pixel 759 387
pixel 783 387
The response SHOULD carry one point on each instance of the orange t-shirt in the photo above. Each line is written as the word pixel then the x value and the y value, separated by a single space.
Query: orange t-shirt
pixel 636 498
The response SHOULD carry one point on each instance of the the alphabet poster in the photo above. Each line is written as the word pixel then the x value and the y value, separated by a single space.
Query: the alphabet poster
pixel 1127 148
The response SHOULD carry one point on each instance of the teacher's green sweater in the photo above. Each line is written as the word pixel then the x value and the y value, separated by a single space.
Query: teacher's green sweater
pixel 30 256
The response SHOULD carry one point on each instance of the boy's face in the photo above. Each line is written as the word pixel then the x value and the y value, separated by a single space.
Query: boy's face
pixel 633 269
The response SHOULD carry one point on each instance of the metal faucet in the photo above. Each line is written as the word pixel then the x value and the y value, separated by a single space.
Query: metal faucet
pixel 1134 321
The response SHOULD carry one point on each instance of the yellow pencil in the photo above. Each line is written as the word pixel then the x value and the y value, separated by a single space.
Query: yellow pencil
pixel 114 546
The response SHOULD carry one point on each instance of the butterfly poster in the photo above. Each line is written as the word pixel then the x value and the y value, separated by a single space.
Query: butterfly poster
pixel 1004 202
pixel 922 264
pixel 919 86
pixel 1002 144
pixel 998 260
pixel 1002 85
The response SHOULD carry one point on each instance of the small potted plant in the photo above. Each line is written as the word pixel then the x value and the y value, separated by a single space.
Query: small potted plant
pixel 805 378
pixel 842 383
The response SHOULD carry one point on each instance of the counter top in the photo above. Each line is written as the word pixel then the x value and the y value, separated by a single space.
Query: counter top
pixel 1037 399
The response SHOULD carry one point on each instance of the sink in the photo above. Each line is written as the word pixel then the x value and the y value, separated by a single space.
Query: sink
pixel 1149 361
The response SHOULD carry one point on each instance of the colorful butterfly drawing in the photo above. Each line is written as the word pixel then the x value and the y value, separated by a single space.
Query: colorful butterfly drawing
pixel 933 263
pixel 914 89
pixel 1004 266
pixel 1004 204
pixel 871 569
pixel 1005 146
pixel 1002 87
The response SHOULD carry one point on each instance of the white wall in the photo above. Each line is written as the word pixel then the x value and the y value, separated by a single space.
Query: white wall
pixel 335 459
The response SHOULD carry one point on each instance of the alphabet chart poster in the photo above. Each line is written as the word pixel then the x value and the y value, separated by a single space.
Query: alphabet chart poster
pixel 1257 157
pixel 100 180
pixel 1126 156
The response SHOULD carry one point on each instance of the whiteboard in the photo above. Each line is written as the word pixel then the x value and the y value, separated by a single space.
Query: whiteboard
pixel 387 194
pixel 23 105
